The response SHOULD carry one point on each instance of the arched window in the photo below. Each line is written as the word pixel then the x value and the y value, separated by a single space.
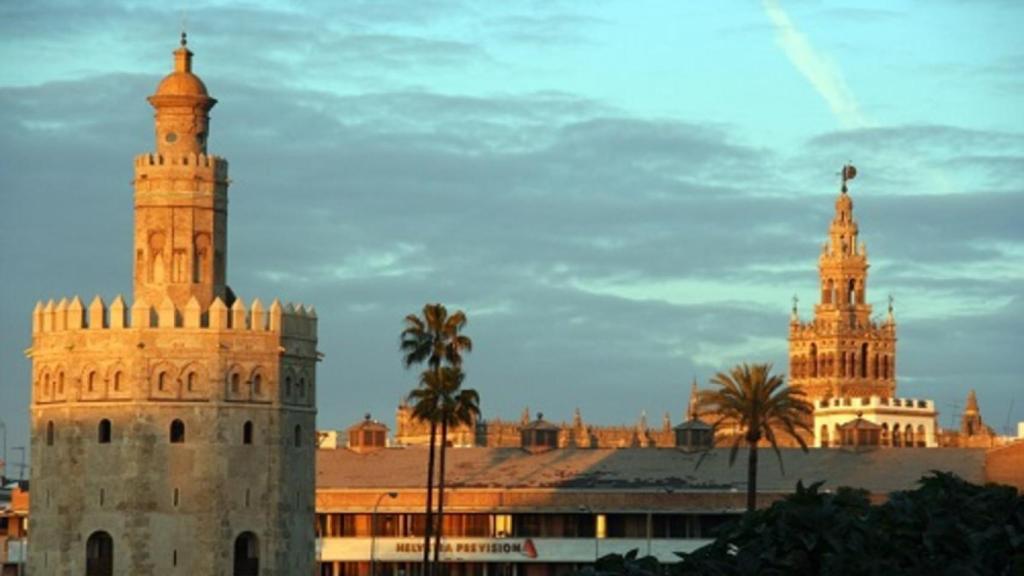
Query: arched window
pixel 99 555
pixel 60 382
pixel 46 385
pixel 247 432
pixel 236 383
pixel 897 439
pixel 298 435
pixel 91 381
pixel 177 432
pixel 874 369
pixel 287 386
pixel 814 360
pixel 830 289
pixel 247 555
pixel 104 431
pixel 824 436
pixel 851 291
pixel 190 381
pixel 885 367
pixel 161 381
pixel 301 389
pixel 257 384
pixel 49 433
pixel 117 381
pixel 864 360
pixel 921 436
pixel 908 436
pixel 885 434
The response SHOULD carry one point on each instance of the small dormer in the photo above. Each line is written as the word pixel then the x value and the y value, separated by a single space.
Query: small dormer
pixel 860 434
pixel 367 436
pixel 694 435
pixel 539 435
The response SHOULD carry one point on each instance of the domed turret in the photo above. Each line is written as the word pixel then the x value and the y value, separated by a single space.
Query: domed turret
pixel 182 108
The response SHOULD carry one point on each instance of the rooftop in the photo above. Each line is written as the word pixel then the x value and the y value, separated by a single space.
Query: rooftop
pixel 879 471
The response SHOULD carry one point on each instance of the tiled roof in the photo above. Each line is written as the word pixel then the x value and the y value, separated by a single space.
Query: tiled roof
pixel 879 471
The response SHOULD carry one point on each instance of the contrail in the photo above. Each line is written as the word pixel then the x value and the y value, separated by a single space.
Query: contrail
pixel 817 68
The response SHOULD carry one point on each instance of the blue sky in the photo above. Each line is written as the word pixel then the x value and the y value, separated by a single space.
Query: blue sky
pixel 621 195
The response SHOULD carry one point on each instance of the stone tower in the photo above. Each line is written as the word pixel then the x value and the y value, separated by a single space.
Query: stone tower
pixel 174 434
pixel 843 352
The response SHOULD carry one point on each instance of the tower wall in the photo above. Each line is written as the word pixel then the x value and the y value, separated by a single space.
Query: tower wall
pixel 175 435
pixel 169 506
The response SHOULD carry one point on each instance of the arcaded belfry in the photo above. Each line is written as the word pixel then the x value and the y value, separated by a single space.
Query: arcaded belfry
pixel 843 352
pixel 174 434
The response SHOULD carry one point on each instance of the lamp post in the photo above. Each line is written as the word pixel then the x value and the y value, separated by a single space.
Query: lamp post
pixel 373 531
pixel 589 510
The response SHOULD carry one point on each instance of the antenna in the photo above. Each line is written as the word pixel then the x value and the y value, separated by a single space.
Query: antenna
pixel 953 413
pixel 184 25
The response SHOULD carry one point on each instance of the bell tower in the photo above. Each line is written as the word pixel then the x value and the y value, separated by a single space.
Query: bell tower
pixel 181 197
pixel 842 352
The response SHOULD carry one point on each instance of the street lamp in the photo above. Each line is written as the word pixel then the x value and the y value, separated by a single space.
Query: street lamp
pixel 589 510
pixel 373 531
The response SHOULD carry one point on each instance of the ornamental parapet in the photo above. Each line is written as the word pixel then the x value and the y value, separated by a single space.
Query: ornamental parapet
pixel 290 320
pixel 874 402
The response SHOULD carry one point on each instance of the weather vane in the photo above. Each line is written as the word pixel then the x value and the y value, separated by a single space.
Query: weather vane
pixel 848 173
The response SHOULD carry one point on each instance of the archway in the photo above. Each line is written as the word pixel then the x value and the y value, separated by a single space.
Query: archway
pixel 99 555
pixel 247 555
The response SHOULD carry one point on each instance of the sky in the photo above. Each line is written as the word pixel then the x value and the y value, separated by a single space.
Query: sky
pixel 622 196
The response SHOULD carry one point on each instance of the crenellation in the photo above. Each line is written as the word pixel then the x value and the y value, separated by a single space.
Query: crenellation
pixel 75 314
pixel 60 315
pixel 258 321
pixel 193 316
pixel 166 314
pixel 140 314
pixel 218 315
pixel 238 314
pixel 293 320
pixel 117 313
pixel 97 313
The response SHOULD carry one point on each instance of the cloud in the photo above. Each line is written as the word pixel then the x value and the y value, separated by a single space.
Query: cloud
pixel 823 75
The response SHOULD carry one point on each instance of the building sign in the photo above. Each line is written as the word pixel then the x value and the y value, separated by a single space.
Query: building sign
pixel 510 549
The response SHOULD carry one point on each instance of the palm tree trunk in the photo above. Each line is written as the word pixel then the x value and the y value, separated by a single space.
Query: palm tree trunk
pixel 430 499
pixel 440 496
pixel 751 476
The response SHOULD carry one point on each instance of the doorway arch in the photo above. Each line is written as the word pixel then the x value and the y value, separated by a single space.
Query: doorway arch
pixel 247 555
pixel 99 554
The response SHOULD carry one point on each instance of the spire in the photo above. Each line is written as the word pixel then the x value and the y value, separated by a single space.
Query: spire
pixel 691 411
pixel 795 316
pixel 972 403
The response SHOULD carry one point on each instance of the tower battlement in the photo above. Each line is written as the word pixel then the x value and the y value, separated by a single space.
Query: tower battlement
pixel 289 320
pixel 191 165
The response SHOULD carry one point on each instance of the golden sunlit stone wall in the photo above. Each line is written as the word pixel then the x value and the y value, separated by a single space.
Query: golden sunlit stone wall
pixel 843 352
pixel 185 420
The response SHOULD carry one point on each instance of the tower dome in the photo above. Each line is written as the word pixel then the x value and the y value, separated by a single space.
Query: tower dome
pixel 182 82
pixel 182 106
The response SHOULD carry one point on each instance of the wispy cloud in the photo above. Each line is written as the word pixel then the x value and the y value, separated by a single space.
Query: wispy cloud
pixel 823 75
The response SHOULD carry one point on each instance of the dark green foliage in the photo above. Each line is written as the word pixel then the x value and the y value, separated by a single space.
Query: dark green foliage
pixel 947 526
pixel 628 565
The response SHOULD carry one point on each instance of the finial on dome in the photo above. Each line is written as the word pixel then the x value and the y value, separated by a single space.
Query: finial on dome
pixel 184 39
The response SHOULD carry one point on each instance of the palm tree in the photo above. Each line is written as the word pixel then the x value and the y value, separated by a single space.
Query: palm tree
pixel 435 339
pixel 458 406
pixel 441 399
pixel 762 406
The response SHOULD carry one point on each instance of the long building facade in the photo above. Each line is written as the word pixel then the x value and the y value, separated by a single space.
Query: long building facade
pixel 174 434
